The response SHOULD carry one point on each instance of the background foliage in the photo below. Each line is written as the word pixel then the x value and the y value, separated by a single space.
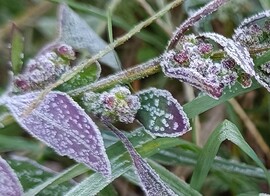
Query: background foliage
pixel 231 173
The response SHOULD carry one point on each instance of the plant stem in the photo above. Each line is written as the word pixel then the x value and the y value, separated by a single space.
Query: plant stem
pixel 123 77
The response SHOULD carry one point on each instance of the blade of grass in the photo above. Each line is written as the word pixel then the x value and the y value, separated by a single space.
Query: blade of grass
pixel 225 131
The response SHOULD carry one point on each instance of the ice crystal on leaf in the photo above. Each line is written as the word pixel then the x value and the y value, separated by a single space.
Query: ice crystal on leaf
pixel 161 114
pixel 63 125
pixel 117 105
pixel 191 62
pixel 235 50
pixel 254 32
pixel 198 15
pixel 9 183
pixel 150 180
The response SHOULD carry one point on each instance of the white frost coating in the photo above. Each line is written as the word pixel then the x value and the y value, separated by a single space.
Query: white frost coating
pixel 163 123
pixel 61 129
pixel 235 50
pixel 9 183
pixel 265 14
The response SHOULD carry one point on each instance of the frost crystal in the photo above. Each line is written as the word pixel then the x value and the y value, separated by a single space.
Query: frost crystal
pixel 150 180
pixel 63 125
pixel 116 105
pixel 161 114
pixel 44 69
pixel 9 183
pixel 254 32
pixel 191 62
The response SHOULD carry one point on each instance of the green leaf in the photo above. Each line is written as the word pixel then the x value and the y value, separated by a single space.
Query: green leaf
pixel 178 156
pixel 108 191
pixel 16 51
pixel 225 130
pixel 87 76
pixel 179 186
pixel 31 173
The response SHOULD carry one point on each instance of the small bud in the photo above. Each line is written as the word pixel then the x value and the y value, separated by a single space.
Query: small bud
pixel 22 84
pixel 245 80
pixel 117 105
pixel 66 51
pixel 228 63
pixel 205 48
pixel 181 57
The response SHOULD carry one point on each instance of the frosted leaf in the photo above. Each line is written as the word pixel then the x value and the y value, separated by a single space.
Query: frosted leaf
pixel 31 174
pixel 255 18
pixel 235 50
pixel 212 86
pixel 150 180
pixel 9 183
pixel 161 114
pixel 76 32
pixel 63 125
pixel 85 77
pixel 198 15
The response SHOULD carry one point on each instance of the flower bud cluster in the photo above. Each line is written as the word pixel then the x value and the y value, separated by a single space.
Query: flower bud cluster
pixel 117 105
pixel 44 69
pixel 254 35
pixel 195 54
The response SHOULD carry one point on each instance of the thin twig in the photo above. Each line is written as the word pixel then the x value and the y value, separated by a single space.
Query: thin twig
pixel 250 125
pixel 151 12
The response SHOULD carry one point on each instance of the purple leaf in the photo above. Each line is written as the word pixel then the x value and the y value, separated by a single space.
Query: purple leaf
pixel 150 180
pixel 63 125
pixel 191 76
pixel 201 13
pixel 9 183
pixel 161 114
pixel 235 50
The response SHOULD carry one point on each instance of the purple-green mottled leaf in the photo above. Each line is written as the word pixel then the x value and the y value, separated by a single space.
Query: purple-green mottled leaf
pixel 161 114
pixel 235 50
pixel 76 32
pixel 16 50
pixel 150 180
pixel 63 125
pixel 9 183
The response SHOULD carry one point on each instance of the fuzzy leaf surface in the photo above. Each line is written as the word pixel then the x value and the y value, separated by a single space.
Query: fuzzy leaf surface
pixel 161 114
pixel 63 125
pixel 76 32
pixel 9 183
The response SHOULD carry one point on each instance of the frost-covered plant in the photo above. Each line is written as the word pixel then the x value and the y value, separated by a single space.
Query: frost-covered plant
pixel 65 125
